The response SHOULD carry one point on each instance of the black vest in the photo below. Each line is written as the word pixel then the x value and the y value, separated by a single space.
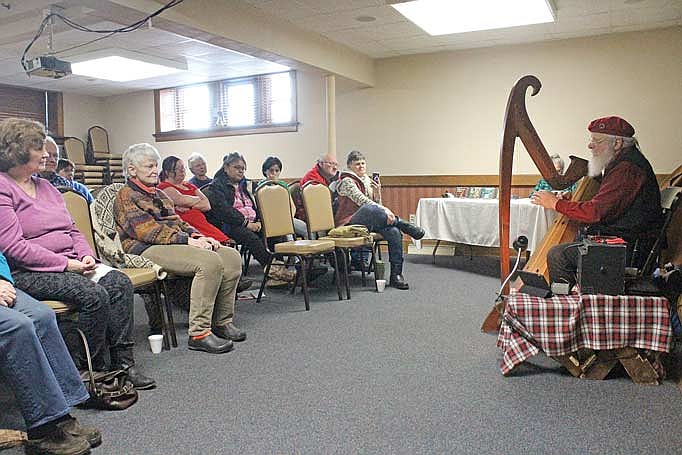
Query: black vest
pixel 644 217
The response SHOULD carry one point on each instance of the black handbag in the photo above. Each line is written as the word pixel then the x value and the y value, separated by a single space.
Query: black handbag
pixel 109 390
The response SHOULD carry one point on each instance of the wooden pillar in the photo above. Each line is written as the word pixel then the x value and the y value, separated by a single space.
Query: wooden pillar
pixel 331 113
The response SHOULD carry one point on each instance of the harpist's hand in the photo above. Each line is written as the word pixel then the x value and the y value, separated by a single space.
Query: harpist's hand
pixel 544 198
pixel 7 294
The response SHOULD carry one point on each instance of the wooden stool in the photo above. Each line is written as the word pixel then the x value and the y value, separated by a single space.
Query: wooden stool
pixel 598 364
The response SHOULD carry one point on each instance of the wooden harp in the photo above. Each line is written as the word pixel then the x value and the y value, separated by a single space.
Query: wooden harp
pixel 518 124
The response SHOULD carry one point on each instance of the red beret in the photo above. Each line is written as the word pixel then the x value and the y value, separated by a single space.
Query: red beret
pixel 613 125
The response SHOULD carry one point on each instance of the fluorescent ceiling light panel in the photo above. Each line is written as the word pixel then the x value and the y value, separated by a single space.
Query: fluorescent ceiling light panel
pixel 122 66
pixel 444 17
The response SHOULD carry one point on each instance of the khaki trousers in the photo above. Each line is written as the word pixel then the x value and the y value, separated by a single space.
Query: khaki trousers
pixel 216 274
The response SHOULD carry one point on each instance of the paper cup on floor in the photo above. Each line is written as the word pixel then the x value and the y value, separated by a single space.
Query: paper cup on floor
pixel 156 343
pixel 381 285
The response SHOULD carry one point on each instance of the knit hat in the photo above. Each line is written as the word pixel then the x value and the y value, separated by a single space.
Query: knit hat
pixel 614 126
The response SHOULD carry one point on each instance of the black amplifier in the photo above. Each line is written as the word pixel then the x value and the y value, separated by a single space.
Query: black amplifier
pixel 601 268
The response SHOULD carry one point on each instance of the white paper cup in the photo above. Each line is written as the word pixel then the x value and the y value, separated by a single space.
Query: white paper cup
pixel 381 285
pixel 155 343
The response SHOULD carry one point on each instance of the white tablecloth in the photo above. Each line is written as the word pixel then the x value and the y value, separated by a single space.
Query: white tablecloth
pixel 476 221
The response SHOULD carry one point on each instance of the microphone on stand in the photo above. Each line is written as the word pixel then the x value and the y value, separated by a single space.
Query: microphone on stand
pixel 520 245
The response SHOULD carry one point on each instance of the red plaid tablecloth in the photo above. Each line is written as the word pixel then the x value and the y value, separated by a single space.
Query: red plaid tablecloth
pixel 562 325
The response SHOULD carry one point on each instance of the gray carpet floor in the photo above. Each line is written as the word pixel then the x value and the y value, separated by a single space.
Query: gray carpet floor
pixel 392 373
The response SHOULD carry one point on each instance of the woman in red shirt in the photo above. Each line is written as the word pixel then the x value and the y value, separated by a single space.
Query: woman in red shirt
pixel 190 202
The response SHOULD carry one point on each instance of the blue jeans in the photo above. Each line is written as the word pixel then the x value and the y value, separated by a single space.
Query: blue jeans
pixel 374 217
pixel 35 362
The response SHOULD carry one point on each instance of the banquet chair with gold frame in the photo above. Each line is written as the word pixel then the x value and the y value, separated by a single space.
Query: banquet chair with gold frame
pixel 275 209
pixel 318 207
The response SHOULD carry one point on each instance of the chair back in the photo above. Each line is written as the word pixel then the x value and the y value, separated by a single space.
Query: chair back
pixel 670 198
pixel 275 210
pixel 317 201
pixel 99 139
pixel 80 212
pixel 670 203
pixel 75 150
pixel 297 197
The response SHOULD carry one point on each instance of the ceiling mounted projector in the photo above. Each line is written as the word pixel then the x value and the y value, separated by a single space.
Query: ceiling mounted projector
pixel 47 66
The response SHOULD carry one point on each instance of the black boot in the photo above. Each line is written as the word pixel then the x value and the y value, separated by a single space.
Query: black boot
pixel 139 380
pixel 122 359
pixel 410 229
pixel 397 279
pixel 398 282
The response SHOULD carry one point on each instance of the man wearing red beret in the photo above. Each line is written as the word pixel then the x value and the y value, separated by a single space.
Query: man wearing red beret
pixel 627 205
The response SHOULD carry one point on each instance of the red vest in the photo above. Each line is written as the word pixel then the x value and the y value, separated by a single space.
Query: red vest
pixel 345 208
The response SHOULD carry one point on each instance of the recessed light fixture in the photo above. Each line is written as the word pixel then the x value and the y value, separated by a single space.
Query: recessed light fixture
pixel 122 66
pixel 365 18
pixel 443 17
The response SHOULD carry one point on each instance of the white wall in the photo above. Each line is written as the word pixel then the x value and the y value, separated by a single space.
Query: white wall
pixel 443 113
pixel 80 113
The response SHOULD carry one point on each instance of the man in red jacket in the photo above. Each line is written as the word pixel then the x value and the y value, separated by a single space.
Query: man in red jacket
pixel 627 205
pixel 324 171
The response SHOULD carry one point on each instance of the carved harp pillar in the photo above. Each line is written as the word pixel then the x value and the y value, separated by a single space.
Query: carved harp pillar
pixel 518 124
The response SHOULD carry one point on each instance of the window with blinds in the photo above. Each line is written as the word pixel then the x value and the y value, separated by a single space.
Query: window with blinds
pixel 247 105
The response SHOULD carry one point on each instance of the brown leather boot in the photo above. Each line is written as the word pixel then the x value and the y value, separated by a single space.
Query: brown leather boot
pixel 57 442
pixel 72 427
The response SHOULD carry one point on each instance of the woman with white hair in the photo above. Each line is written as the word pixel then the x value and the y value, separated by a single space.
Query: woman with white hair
pixel 197 166
pixel 148 226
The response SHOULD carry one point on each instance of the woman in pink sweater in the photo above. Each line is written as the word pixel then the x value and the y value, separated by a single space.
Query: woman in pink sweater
pixel 50 258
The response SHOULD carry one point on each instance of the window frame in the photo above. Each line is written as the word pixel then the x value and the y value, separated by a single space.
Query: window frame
pixel 185 134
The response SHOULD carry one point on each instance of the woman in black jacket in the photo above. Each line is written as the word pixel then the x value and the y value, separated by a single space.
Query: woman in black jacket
pixel 234 212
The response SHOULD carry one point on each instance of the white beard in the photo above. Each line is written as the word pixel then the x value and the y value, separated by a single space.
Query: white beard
pixel 597 164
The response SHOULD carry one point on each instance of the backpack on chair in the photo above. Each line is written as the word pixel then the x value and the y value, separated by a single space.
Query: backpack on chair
pixel 350 230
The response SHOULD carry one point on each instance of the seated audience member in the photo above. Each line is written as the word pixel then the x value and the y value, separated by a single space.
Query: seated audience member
pixel 50 258
pixel 66 169
pixel 543 185
pixel 356 204
pixel 234 211
pixel 148 226
pixel 190 202
pixel 197 166
pixel 325 171
pixel 627 204
pixel 37 367
pixel 272 167
pixel 51 174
